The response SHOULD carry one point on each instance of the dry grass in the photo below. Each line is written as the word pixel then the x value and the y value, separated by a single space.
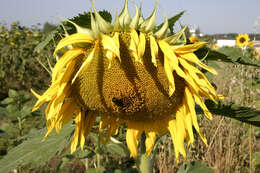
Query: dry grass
pixel 229 140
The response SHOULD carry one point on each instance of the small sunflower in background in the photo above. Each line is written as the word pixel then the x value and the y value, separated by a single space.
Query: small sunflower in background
pixel 251 44
pixel 194 39
pixel 256 54
pixel 127 73
pixel 242 40
pixel 215 47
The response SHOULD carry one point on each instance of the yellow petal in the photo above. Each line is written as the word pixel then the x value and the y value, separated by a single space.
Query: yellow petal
pixel 48 94
pixel 172 60
pixel 181 131
pixel 193 58
pixel 64 60
pixel 77 133
pixel 73 39
pixel 201 80
pixel 141 47
pixel 66 113
pixel 149 142
pixel 199 101
pixel 154 50
pixel 111 44
pixel 89 122
pixel 132 136
pixel 35 94
pixel 191 108
pixel 173 132
pixel 188 48
pixel 168 71
pixel 85 64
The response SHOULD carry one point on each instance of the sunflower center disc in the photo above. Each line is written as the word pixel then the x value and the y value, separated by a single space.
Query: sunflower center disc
pixel 128 89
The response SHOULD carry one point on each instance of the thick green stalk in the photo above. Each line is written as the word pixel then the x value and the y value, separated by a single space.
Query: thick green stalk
pixel 145 163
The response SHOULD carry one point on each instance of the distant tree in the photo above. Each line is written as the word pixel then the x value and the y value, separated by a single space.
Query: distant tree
pixel 48 27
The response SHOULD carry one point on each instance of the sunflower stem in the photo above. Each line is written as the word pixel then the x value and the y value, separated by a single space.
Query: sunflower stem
pixel 144 163
pixel 98 152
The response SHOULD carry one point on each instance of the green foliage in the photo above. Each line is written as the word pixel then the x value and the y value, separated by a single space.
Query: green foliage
pixel 19 68
pixel 172 21
pixel 21 50
pixel 227 54
pixel 194 167
pixel 15 105
pixel 34 150
pixel 244 114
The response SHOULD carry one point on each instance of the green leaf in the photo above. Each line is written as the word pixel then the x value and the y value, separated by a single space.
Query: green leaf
pixel 7 101
pixel 34 150
pixel 96 170
pixel 244 114
pixel 226 54
pixel 256 158
pixel 117 148
pixel 26 110
pixel 12 93
pixel 45 42
pixel 12 111
pixel 172 21
pixel 194 167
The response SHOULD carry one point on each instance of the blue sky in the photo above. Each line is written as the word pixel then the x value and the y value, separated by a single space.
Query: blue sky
pixel 218 16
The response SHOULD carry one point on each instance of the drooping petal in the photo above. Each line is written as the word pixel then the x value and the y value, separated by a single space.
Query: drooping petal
pixel 89 122
pixel 73 39
pixel 149 142
pixel 200 79
pixel 85 64
pixel 77 132
pixel 191 108
pixel 132 136
pixel 64 60
pixel 133 44
pixel 108 126
pixel 173 132
pixel 189 48
pixel 168 71
pixel 193 58
pixel 181 131
pixel 141 47
pixel 154 50
pixel 66 113
pixel 47 96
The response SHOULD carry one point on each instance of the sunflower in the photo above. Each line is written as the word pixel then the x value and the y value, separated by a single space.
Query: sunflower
pixel 127 73
pixel 242 40
pixel 215 47
pixel 194 39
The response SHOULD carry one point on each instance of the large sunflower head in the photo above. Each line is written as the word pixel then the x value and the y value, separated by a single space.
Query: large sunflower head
pixel 127 72
pixel 242 40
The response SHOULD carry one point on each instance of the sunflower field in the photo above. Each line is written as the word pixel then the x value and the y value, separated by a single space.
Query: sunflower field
pixel 126 95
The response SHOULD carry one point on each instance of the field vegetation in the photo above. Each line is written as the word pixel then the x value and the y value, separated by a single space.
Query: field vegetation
pixel 233 138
